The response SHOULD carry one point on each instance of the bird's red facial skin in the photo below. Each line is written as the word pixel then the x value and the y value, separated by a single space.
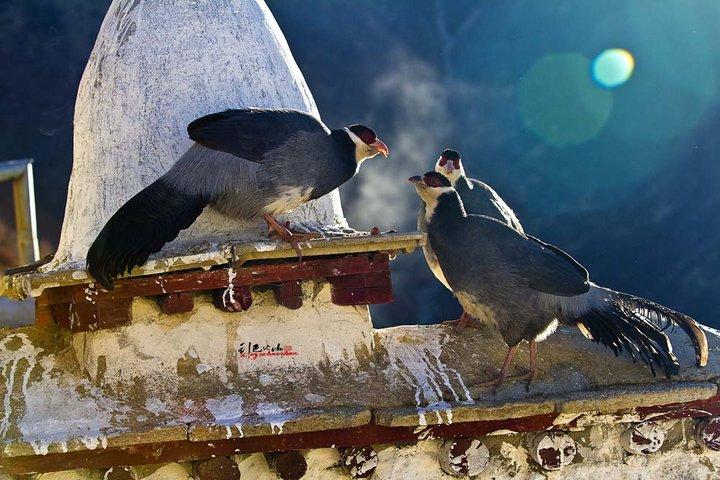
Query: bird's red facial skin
pixel 432 182
pixel 449 164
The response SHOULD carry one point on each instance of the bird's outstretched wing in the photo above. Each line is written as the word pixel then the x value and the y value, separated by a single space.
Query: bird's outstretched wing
pixel 541 266
pixel 251 133
pixel 140 227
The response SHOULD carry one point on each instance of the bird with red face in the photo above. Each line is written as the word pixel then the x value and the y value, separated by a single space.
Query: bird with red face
pixel 524 287
pixel 478 198
pixel 244 163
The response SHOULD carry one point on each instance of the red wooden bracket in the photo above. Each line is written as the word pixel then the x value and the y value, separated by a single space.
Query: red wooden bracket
pixel 289 294
pixel 177 302
pixel 369 289
pixel 233 298
pixel 357 279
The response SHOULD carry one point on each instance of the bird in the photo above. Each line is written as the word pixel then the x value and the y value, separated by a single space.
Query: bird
pixel 245 163
pixel 478 197
pixel 523 287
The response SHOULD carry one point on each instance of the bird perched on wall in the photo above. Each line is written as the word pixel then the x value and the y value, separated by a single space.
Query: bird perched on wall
pixel 523 287
pixel 478 198
pixel 244 163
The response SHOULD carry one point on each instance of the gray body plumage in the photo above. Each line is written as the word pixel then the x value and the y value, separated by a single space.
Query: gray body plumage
pixel 245 163
pixel 523 287
pixel 478 198
pixel 246 189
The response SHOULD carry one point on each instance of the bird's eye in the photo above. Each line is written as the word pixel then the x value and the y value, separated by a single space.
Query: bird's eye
pixel 442 162
pixel 456 163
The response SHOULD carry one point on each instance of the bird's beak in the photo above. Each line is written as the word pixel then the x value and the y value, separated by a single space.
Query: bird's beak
pixel 380 147
pixel 417 179
pixel 449 167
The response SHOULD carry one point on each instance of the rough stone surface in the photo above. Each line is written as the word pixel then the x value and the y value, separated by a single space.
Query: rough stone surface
pixel 167 378
pixel 156 66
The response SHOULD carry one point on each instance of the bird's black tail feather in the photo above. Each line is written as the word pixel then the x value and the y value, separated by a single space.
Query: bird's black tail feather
pixel 140 227
pixel 625 322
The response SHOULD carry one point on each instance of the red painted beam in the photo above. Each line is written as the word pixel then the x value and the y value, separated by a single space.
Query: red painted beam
pixel 89 307
pixel 370 434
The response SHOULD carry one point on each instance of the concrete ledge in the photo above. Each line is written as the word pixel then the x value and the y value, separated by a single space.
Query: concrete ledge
pixel 380 392
pixel 307 421
pixel 460 413
pixel 628 397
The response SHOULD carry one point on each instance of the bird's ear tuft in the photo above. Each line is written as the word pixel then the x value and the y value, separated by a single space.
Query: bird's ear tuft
pixel 366 134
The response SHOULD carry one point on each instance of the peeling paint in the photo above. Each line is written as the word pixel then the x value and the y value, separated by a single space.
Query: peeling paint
pixel 227 412
pixel 14 349
pixel 275 415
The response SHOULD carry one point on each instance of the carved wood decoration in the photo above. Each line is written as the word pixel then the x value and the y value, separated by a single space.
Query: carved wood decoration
pixel 359 279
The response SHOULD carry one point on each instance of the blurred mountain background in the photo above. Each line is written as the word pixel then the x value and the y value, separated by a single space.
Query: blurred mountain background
pixel 625 179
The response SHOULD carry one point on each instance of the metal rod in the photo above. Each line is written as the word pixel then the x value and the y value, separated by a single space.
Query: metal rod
pixel 20 172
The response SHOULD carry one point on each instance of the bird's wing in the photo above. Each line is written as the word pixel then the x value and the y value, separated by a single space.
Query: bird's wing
pixel 492 197
pixel 543 267
pixel 251 133
pixel 150 219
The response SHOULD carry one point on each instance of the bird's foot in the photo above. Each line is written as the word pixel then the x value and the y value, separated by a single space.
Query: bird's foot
pixel 306 235
pixel 497 379
pixel 293 238
pixel 462 322
pixel 528 376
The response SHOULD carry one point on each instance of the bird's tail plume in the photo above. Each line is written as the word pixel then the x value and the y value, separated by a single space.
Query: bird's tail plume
pixel 139 228
pixel 625 322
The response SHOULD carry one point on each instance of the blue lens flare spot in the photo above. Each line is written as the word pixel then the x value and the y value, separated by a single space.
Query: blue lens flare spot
pixel 613 67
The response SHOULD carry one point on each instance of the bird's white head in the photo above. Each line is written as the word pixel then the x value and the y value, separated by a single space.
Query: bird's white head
pixel 450 165
pixel 367 145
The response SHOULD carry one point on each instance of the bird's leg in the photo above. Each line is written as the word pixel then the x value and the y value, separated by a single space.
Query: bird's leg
pixel 530 375
pixel 502 375
pixel 284 232
pixel 462 322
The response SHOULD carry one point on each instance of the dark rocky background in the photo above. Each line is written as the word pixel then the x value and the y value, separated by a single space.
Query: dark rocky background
pixel 624 179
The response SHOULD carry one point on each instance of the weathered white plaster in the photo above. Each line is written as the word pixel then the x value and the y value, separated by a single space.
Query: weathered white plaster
pixel 156 66
pixel 414 356
pixel 214 341
pixel 55 413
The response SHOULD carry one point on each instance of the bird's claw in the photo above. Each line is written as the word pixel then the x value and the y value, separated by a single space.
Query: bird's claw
pixel 461 323
pixel 293 237
pixel 497 379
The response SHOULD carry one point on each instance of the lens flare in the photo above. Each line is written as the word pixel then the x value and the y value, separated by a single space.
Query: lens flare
pixel 613 67
pixel 559 102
